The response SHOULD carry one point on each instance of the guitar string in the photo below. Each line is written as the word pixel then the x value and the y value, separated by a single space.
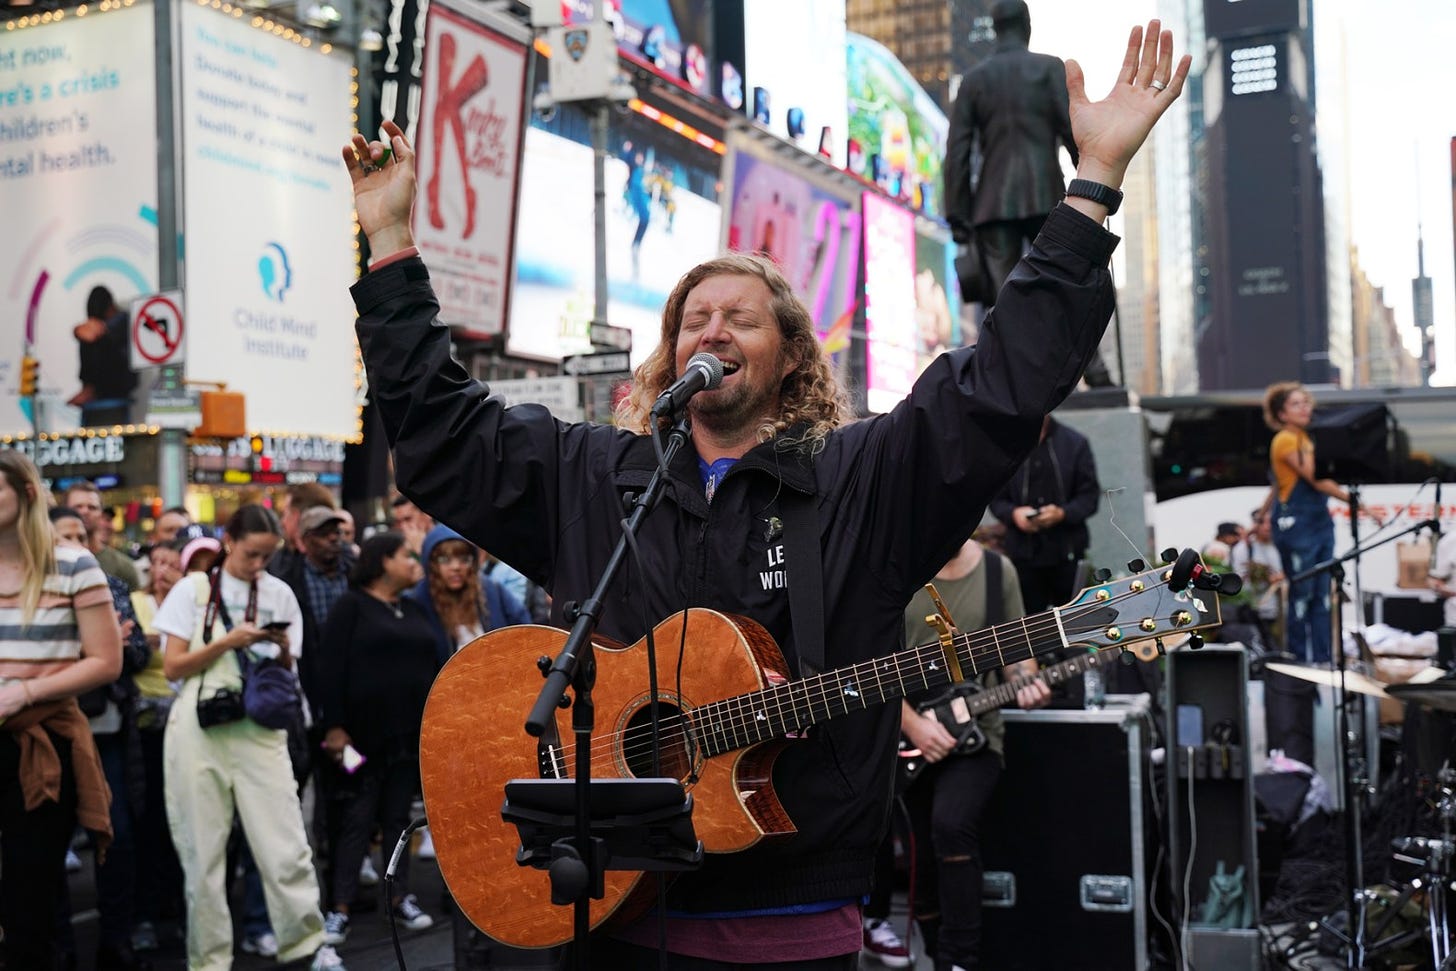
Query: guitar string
pixel 778 699
pixel 892 667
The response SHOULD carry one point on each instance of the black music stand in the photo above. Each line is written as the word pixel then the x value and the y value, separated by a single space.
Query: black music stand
pixel 636 824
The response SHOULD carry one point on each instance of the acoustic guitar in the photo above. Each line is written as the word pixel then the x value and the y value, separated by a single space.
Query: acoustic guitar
pixel 720 733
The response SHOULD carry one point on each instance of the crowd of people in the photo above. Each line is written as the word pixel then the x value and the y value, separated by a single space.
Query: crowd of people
pixel 121 690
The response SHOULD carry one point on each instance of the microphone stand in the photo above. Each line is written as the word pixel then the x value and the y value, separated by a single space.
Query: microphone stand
pixel 1354 935
pixel 578 864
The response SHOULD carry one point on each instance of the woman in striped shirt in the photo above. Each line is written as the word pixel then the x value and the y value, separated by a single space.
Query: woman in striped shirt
pixel 58 638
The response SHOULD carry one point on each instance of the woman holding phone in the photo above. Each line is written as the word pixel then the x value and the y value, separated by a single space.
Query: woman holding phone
pixel 377 662
pixel 217 760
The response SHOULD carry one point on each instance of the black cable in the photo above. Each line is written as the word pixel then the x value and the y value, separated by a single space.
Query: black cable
pixel 399 850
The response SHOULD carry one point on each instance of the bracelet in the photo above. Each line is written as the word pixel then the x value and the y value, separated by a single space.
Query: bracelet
pixel 29 699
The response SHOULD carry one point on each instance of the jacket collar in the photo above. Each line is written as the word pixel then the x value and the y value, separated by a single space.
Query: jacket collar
pixel 793 465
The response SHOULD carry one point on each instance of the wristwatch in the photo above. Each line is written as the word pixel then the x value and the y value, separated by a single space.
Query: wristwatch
pixel 1097 192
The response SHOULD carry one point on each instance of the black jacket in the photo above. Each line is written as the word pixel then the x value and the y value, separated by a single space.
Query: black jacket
pixel 288 566
pixel 1013 108
pixel 897 495
pixel 1060 471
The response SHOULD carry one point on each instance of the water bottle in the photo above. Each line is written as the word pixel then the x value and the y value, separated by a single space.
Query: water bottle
pixel 1095 689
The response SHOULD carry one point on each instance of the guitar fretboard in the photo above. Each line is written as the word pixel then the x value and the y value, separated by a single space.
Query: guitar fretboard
pixel 787 709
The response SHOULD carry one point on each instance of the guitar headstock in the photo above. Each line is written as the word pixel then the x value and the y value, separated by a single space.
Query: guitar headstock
pixel 1139 610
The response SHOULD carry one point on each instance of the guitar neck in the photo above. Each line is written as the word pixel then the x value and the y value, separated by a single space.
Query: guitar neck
pixel 1004 693
pixel 790 708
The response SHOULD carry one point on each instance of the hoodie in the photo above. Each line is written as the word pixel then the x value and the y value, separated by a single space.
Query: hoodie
pixel 502 608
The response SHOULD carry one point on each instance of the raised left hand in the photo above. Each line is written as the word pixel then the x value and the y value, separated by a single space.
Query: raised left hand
pixel 1109 132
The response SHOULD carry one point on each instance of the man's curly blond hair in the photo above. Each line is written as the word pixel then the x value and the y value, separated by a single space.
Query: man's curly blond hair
pixel 810 393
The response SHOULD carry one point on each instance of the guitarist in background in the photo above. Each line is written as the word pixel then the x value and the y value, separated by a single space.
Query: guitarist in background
pixel 890 499
pixel 946 800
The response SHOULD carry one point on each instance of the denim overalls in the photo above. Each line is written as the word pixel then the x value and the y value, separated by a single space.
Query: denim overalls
pixel 1305 535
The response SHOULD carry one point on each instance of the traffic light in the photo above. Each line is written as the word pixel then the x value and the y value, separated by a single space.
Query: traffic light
pixel 29 376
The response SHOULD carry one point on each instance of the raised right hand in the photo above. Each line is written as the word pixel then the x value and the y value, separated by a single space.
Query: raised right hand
pixel 384 189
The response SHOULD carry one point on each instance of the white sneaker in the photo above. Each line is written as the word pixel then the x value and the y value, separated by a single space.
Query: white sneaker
pixel 884 945
pixel 326 959
pixel 264 945
pixel 427 845
pixel 409 914
pixel 336 927
pixel 368 876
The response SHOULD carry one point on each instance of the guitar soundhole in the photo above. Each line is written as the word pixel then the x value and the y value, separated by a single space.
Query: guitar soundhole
pixel 676 743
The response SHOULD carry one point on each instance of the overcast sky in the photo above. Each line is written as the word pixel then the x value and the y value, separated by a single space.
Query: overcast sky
pixel 1400 83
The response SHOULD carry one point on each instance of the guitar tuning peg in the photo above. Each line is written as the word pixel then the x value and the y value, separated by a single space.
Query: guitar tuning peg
pixel 1102 576
pixel 1195 641
pixel 1127 659
pixel 1169 555
pixel 1136 565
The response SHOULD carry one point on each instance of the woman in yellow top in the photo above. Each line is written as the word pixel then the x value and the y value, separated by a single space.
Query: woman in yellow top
pixel 1303 531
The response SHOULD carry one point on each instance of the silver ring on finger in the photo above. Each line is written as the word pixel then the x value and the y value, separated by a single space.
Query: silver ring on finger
pixel 1156 85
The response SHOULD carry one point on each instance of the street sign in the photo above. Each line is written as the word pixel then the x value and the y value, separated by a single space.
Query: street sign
pixel 586 365
pixel 175 408
pixel 606 335
pixel 157 330
pixel 561 396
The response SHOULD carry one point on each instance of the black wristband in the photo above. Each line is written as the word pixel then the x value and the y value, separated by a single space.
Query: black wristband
pixel 1097 192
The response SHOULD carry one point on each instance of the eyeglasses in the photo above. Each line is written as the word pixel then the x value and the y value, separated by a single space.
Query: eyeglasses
pixel 457 559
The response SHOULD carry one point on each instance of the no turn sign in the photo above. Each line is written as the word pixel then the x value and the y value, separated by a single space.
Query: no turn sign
pixel 157 330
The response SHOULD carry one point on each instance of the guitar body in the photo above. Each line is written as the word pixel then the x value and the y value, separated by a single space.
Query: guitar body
pixel 473 741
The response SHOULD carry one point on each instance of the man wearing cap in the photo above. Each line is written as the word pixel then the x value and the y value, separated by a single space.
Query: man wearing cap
pixel 319 578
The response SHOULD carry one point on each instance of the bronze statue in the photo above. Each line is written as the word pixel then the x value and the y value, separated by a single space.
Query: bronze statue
pixel 1009 116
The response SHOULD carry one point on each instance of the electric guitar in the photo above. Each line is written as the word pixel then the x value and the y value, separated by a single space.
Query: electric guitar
pixel 720 733
pixel 959 712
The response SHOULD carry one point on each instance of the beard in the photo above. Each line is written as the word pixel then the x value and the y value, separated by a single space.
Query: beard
pixel 741 407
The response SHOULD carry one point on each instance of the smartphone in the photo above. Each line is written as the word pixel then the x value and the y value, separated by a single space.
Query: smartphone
pixel 352 759
pixel 1190 725
pixel 276 625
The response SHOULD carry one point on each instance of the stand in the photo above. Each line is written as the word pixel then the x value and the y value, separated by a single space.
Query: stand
pixel 577 862
pixel 1354 940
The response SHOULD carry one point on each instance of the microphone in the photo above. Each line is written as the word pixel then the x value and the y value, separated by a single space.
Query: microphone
pixel 704 372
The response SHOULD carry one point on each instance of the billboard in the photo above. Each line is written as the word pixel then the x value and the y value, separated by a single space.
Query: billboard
pixel 812 231
pixel 268 216
pixel 676 39
pixel 78 189
pixel 794 61
pixel 468 154
pixel 937 297
pixel 662 219
pixel 897 133
pixel 891 330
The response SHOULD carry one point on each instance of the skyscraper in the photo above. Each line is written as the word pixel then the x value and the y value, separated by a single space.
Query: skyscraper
pixel 1266 315
pixel 1423 309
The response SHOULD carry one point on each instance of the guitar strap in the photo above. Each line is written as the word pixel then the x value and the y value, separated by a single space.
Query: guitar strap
pixel 995 603
pixel 806 577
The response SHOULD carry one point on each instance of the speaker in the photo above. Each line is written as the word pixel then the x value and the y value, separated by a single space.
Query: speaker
pixel 1352 444
pixel 1064 842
